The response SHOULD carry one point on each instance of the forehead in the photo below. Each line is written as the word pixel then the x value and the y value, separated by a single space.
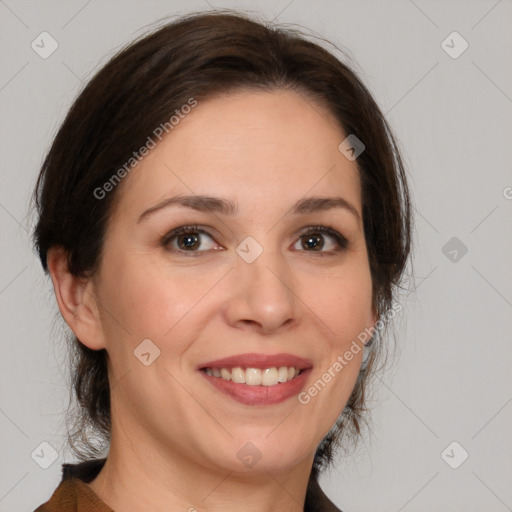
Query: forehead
pixel 248 146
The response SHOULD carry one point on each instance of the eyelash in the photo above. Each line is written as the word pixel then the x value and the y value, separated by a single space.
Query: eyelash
pixel 310 230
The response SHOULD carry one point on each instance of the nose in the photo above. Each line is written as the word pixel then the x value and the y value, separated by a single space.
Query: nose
pixel 263 299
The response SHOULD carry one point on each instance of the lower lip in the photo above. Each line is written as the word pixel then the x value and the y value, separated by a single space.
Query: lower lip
pixel 260 395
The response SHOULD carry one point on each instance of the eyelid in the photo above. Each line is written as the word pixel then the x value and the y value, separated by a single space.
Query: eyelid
pixel 323 229
pixel 192 228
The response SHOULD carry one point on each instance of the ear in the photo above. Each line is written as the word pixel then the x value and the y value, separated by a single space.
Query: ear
pixel 76 299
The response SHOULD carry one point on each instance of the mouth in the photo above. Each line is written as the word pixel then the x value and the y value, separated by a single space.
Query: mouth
pixel 258 379
pixel 255 376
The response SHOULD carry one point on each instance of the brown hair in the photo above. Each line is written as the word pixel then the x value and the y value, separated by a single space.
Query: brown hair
pixel 198 56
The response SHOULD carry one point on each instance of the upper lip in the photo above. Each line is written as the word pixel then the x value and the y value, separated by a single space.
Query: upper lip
pixel 254 360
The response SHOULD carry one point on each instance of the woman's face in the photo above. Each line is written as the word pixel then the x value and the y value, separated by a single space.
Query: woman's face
pixel 252 283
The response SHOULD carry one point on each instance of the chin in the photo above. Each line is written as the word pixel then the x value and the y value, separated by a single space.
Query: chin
pixel 269 452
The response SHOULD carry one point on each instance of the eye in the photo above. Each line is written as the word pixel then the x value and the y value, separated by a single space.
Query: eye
pixel 313 240
pixel 189 239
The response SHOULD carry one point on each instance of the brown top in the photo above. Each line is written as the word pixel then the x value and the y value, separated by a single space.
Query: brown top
pixel 74 495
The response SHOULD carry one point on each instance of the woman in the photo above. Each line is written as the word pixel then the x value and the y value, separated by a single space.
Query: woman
pixel 225 218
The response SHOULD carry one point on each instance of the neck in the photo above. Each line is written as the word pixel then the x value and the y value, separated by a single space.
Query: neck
pixel 163 481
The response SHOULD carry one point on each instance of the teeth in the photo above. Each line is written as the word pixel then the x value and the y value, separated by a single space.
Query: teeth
pixel 282 374
pixel 238 375
pixel 269 377
pixel 255 376
pixel 225 374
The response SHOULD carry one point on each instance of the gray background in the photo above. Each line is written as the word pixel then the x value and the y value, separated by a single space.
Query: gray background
pixel 451 380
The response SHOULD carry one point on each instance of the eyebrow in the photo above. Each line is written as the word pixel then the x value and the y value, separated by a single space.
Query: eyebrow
pixel 228 207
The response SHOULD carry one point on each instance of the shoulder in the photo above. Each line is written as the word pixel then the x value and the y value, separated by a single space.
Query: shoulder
pixel 317 500
pixel 73 494
pixel 85 471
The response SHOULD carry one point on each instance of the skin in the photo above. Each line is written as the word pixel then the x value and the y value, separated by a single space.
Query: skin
pixel 175 438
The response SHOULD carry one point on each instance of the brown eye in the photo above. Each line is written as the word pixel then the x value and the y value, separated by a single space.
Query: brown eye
pixel 317 238
pixel 189 239
pixel 314 241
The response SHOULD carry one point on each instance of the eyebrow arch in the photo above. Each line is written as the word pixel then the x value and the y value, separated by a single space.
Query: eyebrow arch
pixel 227 207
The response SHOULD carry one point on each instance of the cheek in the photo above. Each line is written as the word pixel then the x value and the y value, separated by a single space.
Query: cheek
pixel 145 298
pixel 344 304
pixel 148 299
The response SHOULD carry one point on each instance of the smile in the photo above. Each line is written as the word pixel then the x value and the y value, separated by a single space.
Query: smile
pixel 258 379
pixel 255 376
